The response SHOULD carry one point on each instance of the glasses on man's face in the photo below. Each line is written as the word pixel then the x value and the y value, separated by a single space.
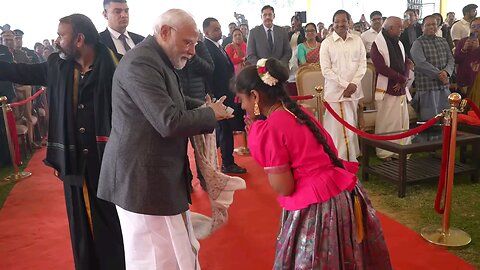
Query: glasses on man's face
pixel 187 43
pixel 475 26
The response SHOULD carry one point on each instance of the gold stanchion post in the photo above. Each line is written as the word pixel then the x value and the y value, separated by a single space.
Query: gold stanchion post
pixel 446 235
pixel 319 89
pixel 243 150
pixel 17 175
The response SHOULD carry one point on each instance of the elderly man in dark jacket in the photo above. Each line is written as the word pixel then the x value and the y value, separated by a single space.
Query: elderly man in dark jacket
pixel 193 79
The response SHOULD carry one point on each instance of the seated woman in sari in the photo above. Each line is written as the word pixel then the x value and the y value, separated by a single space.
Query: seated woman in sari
pixel 237 50
pixel 309 51
pixel 467 56
pixel 328 221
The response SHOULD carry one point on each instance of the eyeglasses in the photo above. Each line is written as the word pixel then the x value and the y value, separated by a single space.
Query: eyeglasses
pixel 187 43
pixel 475 26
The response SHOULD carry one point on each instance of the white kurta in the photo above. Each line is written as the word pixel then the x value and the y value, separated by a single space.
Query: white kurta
pixel 343 62
pixel 368 37
pixel 158 242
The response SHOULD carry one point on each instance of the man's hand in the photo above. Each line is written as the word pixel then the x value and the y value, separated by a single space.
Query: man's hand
pixel 219 109
pixel 351 88
pixel 410 64
pixel 443 77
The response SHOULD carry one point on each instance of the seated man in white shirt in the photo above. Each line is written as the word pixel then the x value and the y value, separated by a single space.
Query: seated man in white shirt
pixel 116 37
pixel 369 36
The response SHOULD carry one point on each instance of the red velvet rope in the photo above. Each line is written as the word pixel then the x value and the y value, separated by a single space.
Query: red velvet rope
pixel 411 132
pixel 13 136
pixel 39 92
pixel 442 180
pixel 473 106
pixel 302 97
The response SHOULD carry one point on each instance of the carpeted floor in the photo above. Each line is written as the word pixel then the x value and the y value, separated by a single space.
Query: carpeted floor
pixel 34 229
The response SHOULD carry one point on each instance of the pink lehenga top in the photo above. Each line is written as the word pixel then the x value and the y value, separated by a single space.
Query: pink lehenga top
pixel 281 141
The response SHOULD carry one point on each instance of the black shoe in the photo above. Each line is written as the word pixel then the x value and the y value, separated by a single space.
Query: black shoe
pixel 36 146
pixel 234 168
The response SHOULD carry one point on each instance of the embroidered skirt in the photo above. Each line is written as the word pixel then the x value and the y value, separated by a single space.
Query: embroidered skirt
pixel 323 236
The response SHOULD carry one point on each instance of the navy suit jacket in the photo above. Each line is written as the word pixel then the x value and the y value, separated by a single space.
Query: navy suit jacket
pixel 106 39
pixel 221 81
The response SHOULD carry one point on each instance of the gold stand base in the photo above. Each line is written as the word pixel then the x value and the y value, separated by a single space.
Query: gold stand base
pixel 242 151
pixel 454 238
pixel 17 176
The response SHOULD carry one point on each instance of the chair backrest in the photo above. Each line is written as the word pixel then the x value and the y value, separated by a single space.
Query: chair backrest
pixel 369 82
pixel 308 77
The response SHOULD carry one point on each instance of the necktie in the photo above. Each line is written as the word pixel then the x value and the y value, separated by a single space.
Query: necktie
pixel 270 39
pixel 123 39
pixel 223 52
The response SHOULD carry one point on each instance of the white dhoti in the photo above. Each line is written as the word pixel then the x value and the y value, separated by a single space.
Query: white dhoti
pixel 158 242
pixel 345 140
pixel 392 115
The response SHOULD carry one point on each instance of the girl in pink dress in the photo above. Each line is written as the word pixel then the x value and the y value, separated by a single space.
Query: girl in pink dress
pixel 327 222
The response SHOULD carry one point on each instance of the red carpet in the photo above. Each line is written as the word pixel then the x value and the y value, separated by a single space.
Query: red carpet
pixel 34 230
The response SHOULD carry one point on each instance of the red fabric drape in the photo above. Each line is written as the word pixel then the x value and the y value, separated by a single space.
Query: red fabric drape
pixel 442 180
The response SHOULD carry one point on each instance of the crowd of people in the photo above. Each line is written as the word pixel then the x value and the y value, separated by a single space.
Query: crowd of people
pixel 123 106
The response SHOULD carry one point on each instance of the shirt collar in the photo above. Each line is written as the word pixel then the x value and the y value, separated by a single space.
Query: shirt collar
pixel 116 34
pixel 266 28
pixel 214 42
pixel 337 37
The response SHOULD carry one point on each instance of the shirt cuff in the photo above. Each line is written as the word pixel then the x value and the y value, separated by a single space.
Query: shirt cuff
pixel 277 169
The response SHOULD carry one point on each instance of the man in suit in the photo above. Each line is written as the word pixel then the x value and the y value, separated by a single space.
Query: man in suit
pixel 79 80
pixel 411 30
pixel 220 85
pixel 116 36
pixel 231 26
pixel 144 169
pixel 268 40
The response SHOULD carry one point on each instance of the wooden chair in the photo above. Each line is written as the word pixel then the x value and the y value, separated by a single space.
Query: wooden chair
pixel 367 108
pixel 308 77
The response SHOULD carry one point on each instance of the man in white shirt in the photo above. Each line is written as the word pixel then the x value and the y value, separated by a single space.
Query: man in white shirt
pixel 116 37
pixel 369 36
pixel 461 29
pixel 343 63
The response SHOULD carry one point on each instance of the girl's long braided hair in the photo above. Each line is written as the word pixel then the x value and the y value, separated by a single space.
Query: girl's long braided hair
pixel 248 80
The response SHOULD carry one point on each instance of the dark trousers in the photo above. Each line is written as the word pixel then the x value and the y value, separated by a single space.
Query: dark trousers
pixel 100 246
pixel 224 133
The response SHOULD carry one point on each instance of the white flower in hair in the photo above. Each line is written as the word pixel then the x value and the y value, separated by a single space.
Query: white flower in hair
pixel 264 74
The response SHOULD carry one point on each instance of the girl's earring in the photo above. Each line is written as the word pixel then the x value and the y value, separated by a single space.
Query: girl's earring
pixel 256 109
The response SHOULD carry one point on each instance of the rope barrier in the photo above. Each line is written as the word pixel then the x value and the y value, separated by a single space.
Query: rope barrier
pixel 39 92
pixel 442 180
pixel 473 106
pixel 408 133
pixel 302 97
